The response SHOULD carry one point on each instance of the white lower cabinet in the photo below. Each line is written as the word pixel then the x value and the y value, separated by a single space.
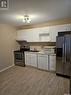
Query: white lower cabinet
pixel 31 59
pixel 52 62
pixel 43 61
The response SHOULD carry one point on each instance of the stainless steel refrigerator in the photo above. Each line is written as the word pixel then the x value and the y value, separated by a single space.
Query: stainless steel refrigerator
pixel 63 54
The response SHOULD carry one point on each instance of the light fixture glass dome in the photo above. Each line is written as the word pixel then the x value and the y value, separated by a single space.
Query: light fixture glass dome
pixel 26 19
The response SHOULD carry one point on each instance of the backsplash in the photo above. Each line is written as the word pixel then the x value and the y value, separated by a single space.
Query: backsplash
pixel 40 48
pixel 35 48
pixel 37 45
pixel 42 43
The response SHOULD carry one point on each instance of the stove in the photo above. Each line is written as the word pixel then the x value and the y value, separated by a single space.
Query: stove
pixel 19 57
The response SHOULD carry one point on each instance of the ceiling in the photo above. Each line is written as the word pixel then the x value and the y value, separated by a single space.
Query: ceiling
pixel 40 11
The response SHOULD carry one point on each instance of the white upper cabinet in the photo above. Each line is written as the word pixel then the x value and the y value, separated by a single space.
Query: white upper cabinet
pixel 58 28
pixel 44 37
pixel 21 35
pixel 30 35
pixel 33 35
pixel 44 34
pixel 53 33
pixel 65 27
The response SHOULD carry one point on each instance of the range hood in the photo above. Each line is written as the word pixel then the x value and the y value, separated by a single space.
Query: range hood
pixel 22 42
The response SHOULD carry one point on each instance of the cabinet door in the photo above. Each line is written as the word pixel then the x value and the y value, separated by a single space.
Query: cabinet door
pixel 31 59
pixel 42 61
pixel 65 27
pixel 52 63
pixel 44 35
pixel 21 35
pixel 28 35
pixel 53 33
pixel 27 59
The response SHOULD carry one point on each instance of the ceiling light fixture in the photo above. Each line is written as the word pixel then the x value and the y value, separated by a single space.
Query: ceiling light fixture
pixel 26 19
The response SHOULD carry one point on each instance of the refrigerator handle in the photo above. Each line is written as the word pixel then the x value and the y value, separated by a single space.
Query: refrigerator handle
pixel 65 52
pixel 63 49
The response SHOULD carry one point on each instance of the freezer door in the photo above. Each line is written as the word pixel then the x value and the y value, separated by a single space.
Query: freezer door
pixel 67 56
pixel 59 55
pixel 59 41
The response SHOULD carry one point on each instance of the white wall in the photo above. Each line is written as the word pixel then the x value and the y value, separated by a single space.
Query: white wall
pixel 7 45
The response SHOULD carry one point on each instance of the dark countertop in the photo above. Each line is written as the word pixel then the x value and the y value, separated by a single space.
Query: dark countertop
pixel 33 51
pixel 26 50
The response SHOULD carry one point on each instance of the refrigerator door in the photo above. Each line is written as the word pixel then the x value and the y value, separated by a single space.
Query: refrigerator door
pixel 60 54
pixel 67 56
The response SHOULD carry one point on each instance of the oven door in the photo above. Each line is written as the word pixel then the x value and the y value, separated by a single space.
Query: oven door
pixel 19 58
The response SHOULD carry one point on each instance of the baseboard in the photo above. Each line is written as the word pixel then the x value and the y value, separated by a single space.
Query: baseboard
pixel 6 68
